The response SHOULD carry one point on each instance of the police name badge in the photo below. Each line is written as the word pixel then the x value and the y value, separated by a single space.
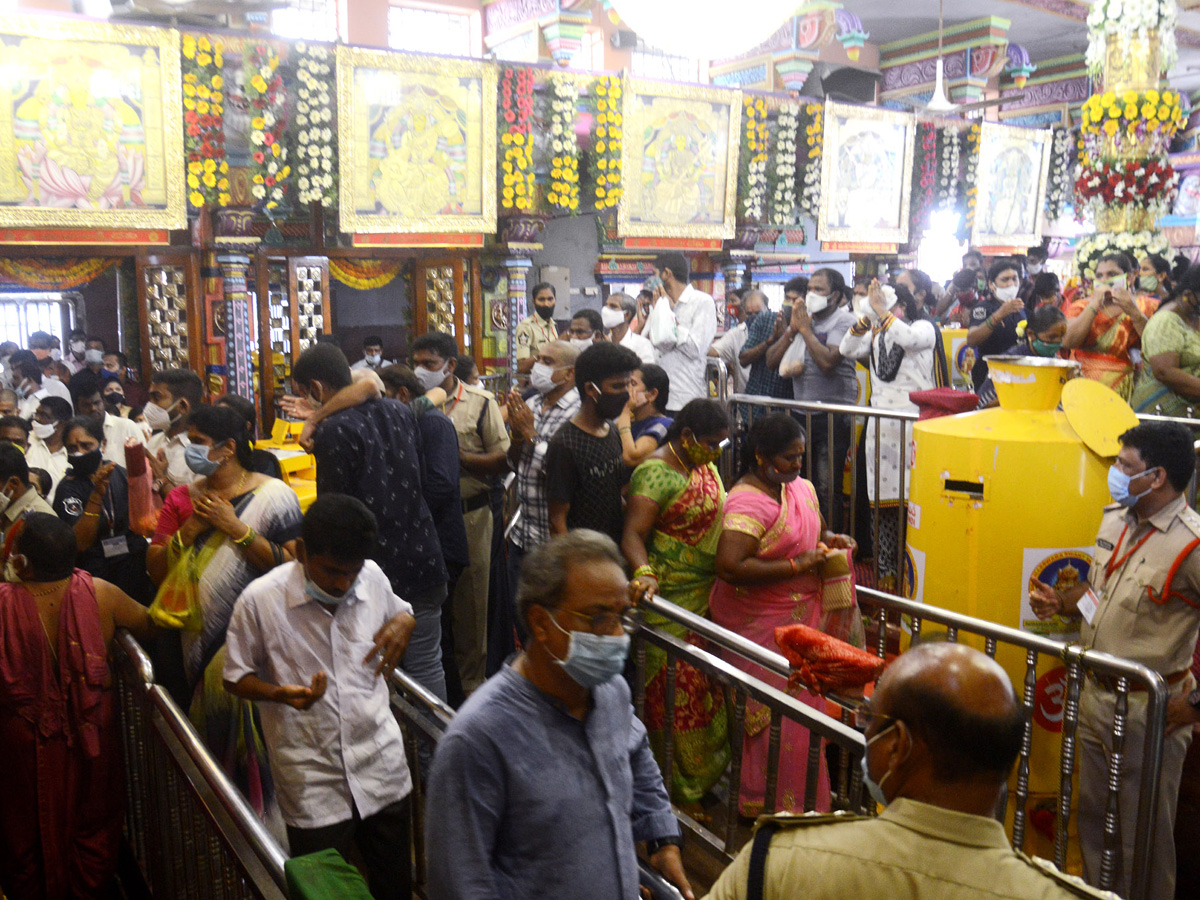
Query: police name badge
pixel 1088 605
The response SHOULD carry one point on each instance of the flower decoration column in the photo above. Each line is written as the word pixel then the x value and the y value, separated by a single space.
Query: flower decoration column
pixel 516 164
pixel 813 120
pixel 204 122
pixel 264 92
pixel 1124 179
pixel 607 131
pixel 787 133
pixel 564 172
pixel 313 146
pixel 753 159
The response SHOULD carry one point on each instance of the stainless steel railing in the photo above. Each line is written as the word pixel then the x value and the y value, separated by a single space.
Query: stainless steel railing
pixel 192 833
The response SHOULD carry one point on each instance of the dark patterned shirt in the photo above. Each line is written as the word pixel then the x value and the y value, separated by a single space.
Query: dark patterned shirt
pixel 588 473
pixel 370 452
pixel 764 381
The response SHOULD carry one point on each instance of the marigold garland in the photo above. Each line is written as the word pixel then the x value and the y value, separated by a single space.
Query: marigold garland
pixel 54 275
pixel 974 134
pixel 814 136
pixel 607 132
pixel 264 91
pixel 516 139
pixel 203 117
pixel 364 274
pixel 1146 119
pixel 753 159
pixel 564 173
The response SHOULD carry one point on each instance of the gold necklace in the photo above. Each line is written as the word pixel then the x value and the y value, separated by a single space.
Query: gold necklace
pixel 237 488
pixel 686 467
pixel 49 590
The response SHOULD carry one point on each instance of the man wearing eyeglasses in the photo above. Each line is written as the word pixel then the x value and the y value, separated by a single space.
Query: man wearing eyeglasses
pixel 544 781
pixel 943 731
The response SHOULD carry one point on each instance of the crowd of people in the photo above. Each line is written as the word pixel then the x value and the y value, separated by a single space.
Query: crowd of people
pixel 273 628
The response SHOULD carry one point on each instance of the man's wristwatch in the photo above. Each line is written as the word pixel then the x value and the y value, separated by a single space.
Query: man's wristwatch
pixel 657 844
pixel 1194 699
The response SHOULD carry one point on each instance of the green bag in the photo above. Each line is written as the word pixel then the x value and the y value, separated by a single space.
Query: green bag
pixel 324 875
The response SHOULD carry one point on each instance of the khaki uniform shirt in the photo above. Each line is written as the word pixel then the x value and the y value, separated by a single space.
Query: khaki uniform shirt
pixel 476 417
pixel 913 851
pixel 531 333
pixel 1132 562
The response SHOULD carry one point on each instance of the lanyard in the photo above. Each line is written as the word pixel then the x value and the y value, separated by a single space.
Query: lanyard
pixel 1113 563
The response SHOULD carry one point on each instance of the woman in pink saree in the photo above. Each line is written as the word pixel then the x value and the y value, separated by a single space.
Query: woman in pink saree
pixel 767 575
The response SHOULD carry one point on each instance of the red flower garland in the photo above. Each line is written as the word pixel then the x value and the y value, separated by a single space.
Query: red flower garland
pixel 1138 182
pixel 516 110
pixel 925 180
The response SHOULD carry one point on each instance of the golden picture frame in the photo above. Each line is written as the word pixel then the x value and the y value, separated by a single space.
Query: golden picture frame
pixel 679 160
pixel 416 143
pixel 866 174
pixel 1014 166
pixel 91 125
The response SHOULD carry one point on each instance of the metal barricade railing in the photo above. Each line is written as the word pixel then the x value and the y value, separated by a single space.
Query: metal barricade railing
pixel 739 687
pixel 1121 674
pixel 499 383
pixel 423 720
pixel 192 833
pixel 716 374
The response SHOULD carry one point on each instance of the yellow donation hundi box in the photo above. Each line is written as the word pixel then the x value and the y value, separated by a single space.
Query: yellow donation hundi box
pixel 1001 496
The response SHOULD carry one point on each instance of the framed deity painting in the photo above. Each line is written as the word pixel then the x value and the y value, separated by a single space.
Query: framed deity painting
pixel 866 174
pixel 1014 164
pixel 91 127
pixel 416 143
pixel 680 158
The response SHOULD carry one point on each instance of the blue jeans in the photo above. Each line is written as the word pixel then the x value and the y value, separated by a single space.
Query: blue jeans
pixel 423 659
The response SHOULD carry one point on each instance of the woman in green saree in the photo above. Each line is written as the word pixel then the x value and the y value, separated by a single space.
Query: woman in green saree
pixel 672 526
pixel 1170 383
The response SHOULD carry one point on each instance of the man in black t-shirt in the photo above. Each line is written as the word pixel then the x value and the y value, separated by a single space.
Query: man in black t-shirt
pixel 584 469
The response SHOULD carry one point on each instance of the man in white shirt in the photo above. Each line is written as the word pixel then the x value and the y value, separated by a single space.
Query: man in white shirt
pixel 85 390
pixel 174 393
pixel 46 450
pixel 730 344
pixel 618 313
pixel 73 359
pixel 30 386
pixel 681 328
pixel 337 756
pixel 373 355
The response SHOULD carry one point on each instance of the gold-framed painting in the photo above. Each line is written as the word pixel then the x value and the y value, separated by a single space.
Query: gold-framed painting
pixel 1014 166
pixel 680 159
pixel 91 127
pixel 866 174
pixel 416 143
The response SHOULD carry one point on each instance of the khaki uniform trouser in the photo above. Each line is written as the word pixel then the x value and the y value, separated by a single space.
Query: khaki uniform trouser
pixel 469 606
pixel 1096 709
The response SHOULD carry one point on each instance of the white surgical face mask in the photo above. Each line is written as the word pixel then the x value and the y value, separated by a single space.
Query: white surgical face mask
pixel 374 360
pixel 93 357
pixel 42 430
pixel 56 354
pixel 1035 268
pixel 157 418
pixel 612 317
pixel 581 343
pixel 77 347
pixel 430 378
pixel 1005 294
pixel 542 378
pixel 815 302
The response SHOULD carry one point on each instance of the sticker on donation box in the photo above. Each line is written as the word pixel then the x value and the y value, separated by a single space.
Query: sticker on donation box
pixel 1088 605
pixel 1061 569
pixel 914 515
pixel 1048 698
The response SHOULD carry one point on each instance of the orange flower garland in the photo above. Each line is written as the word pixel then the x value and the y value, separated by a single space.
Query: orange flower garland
pixel 49 275
pixel 516 107
pixel 364 274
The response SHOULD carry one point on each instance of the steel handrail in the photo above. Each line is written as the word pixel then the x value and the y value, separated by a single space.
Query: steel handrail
pixel 901 415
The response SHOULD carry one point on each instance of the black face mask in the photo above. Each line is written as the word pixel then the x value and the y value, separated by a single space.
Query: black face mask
pixel 85 464
pixel 115 400
pixel 609 406
pixel 546 312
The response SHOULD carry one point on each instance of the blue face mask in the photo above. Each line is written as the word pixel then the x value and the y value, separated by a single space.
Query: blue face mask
pixel 196 457
pixel 314 592
pixel 593 659
pixel 874 788
pixel 1118 487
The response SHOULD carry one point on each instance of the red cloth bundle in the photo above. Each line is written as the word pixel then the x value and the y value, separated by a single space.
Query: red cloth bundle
pixel 821 663
pixel 144 503
pixel 943 401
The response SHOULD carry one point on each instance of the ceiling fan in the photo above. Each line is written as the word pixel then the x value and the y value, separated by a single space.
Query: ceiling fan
pixel 941 105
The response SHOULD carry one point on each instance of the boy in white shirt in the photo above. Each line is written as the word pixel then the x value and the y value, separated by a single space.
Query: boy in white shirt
pixel 312 642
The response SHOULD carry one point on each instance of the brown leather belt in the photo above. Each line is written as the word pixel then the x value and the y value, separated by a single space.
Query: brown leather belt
pixel 1109 682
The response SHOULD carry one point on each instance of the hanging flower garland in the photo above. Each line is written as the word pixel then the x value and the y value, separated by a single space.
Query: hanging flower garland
pixel 364 274
pixel 1141 19
pixel 516 165
pixel 1058 188
pixel 753 159
pixel 1091 248
pixel 925 179
pixel 314 148
pixel 264 92
pixel 564 174
pixel 949 184
pixel 54 275
pixel 783 201
pixel 814 136
pixel 608 130
pixel 204 122
pixel 972 177
pixel 1148 184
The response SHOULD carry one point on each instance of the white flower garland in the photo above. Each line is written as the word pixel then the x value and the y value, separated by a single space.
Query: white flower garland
pixel 315 181
pixel 564 96
pixel 784 202
pixel 810 195
pixel 1131 18
pixel 1058 191
pixel 1138 243
pixel 947 193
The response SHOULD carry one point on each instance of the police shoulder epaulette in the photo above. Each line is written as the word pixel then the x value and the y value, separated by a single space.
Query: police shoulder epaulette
pixel 1191 519
pixel 1072 883
pixel 803 820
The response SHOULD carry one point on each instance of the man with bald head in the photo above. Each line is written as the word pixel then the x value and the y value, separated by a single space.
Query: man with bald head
pixel 943 732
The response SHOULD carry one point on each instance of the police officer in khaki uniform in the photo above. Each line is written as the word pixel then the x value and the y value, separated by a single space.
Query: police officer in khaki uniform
pixel 536 329
pixel 943 731
pixel 1141 603
pixel 483 454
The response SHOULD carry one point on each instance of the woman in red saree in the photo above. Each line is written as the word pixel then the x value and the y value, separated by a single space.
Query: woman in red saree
pixel 767 564
pixel 1104 330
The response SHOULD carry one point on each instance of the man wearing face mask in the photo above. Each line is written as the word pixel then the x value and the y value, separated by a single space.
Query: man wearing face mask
pixel 46 450
pixel 17 495
pixel 483 446
pixel 545 777
pixel 373 355
pixel 586 328
pixel 617 315
pixel 1142 603
pixel 585 471
pixel 118 432
pixel 174 393
pixel 994 320
pixel 76 351
pixel 537 328
pixel 681 328
pixel 31 386
pixel 943 731
pixel 729 345
pixel 294 631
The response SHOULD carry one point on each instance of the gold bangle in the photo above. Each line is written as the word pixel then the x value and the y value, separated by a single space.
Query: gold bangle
pixel 247 539
pixel 90 515
pixel 646 569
